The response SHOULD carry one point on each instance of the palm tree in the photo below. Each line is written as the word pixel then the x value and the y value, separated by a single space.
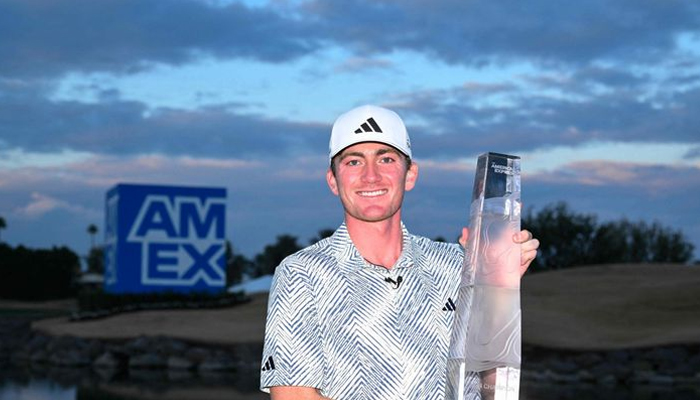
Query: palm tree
pixel 3 225
pixel 92 230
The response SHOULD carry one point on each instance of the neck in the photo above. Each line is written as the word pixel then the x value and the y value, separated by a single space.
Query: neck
pixel 379 243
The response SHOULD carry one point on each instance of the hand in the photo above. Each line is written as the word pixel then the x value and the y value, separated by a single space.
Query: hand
pixel 528 246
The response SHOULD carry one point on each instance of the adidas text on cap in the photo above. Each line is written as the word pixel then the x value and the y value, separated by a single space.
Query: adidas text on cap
pixel 369 124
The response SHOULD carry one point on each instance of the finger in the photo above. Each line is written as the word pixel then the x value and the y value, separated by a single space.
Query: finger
pixel 533 244
pixel 463 238
pixel 522 236
pixel 526 259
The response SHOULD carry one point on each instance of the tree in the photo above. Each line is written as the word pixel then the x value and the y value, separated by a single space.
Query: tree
pixel 95 260
pixel 570 239
pixel 40 274
pixel 272 255
pixel 237 265
pixel 3 225
pixel 92 230
pixel 565 236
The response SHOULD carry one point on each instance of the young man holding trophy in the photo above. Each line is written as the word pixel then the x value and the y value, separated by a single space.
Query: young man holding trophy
pixel 367 313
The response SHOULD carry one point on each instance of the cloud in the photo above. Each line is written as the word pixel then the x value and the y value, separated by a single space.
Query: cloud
pixel 36 124
pixel 50 38
pixel 360 64
pixel 653 180
pixel 482 31
pixel 457 122
pixel 266 198
pixel 276 196
pixel 41 204
pixel 693 153
pixel 586 72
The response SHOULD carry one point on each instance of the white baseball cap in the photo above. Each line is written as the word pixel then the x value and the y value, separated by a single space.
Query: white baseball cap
pixel 369 124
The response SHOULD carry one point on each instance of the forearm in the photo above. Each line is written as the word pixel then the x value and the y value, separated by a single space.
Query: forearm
pixel 488 384
pixel 295 393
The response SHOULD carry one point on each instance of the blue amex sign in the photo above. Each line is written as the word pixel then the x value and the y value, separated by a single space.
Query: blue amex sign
pixel 165 238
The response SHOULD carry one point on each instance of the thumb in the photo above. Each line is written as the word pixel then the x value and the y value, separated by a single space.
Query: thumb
pixel 463 238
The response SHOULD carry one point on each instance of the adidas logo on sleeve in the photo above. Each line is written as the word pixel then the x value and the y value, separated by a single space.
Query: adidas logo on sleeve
pixel 269 365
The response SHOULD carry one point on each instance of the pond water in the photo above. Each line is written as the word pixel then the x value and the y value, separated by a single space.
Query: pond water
pixel 87 384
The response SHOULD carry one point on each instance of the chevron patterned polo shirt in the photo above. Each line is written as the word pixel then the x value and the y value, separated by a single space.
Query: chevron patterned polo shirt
pixel 358 331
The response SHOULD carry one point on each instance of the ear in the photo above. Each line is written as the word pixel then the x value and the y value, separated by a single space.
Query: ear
pixel 411 176
pixel 332 183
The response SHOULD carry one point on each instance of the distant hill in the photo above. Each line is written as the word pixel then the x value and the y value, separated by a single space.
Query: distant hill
pixel 612 306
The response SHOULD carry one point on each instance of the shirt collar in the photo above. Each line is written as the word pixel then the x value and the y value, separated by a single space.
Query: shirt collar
pixel 350 260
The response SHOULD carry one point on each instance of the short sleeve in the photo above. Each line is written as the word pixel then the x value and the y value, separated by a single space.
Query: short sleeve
pixel 292 353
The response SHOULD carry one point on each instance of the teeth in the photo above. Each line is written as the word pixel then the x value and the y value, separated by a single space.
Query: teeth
pixel 373 193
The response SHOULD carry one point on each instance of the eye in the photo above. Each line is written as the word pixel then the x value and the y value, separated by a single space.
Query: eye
pixel 387 159
pixel 352 163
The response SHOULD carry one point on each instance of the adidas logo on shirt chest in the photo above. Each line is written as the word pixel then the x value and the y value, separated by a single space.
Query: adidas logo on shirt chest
pixel 450 305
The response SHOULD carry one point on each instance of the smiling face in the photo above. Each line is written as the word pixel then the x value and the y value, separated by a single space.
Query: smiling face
pixel 371 179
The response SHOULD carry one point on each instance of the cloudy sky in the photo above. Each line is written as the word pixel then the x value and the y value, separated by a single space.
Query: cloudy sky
pixel 595 96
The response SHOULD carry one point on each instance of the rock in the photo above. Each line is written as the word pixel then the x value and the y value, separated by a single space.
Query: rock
pixel 140 345
pixel 618 356
pixel 565 378
pixel 106 374
pixel 622 372
pixel 39 356
pixel 642 365
pixel 180 363
pixel 197 355
pixel 147 361
pixel 585 376
pixel 220 363
pixel 94 349
pixel 682 369
pixel 587 360
pixel 694 362
pixel 602 369
pixel 564 366
pixel 642 376
pixel 108 360
pixel 660 380
pixel 665 356
pixel 172 347
pixel 60 343
pixel 608 380
pixel 180 375
pixel 37 342
pixel 70 358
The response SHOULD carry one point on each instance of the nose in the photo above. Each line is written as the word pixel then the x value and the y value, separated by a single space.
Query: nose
pixel 370 173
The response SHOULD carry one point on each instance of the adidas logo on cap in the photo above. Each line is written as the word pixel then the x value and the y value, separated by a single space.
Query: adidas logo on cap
pixel 369 124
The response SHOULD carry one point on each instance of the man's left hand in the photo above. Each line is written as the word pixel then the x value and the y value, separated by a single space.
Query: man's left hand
pixel 528 246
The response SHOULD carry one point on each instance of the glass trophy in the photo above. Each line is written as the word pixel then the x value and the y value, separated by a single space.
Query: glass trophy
pixel 485 349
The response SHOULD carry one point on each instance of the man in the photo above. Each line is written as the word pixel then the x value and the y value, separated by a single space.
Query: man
pixel 361 314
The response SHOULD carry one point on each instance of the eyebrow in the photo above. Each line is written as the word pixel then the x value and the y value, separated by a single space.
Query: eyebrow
pixel 379 152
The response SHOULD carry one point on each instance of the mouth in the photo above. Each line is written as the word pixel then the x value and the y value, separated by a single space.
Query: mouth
pixel 373 193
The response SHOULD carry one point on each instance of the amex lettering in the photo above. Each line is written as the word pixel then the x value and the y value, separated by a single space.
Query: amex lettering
pixel 182 240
